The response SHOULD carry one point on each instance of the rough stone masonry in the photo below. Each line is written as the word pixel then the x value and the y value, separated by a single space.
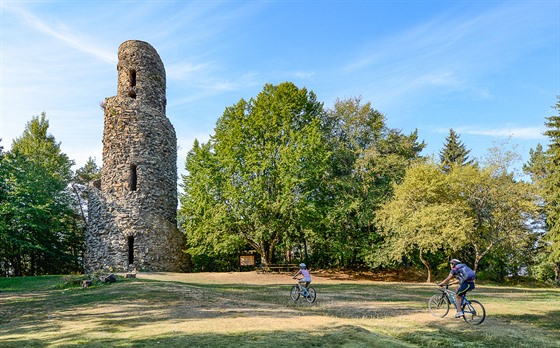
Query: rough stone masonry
pixel 132 212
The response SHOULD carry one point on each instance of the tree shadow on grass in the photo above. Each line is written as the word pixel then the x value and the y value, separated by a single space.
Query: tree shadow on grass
pixel 549 320
pixel 338 336
pixel 493 332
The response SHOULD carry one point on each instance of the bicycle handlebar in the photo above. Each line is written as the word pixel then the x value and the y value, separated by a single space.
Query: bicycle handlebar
pixel 446 285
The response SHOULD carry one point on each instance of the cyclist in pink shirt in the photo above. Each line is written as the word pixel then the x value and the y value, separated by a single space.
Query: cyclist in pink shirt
pixel 306 276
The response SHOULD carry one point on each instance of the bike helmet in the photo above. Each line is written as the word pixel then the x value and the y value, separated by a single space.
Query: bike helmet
pixel 302 265
pixel 454 262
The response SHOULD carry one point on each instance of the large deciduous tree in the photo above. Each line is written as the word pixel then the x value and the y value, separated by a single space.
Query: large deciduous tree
pixel 423 217
pixel 256 179
pixel 469 207
pixel 367 158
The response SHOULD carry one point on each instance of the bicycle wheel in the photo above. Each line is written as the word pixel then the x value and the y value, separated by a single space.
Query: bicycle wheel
pixel 474 312
pixel 311 295
pixel 439 305
pixel 294 293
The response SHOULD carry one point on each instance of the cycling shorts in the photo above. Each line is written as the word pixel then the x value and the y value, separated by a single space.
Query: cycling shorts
pixel 463 288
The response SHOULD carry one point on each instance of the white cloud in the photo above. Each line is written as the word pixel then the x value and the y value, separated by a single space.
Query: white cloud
pixel 528 133
pixel 184 71
pixel 304 74
pixel 62 33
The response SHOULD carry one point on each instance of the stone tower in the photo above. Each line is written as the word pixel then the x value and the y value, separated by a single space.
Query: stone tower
pixel 132 212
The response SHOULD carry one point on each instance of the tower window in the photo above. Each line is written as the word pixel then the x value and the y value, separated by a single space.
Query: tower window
pixel 132 83
pixel 132 75
pixel 130 250
pixel 133 178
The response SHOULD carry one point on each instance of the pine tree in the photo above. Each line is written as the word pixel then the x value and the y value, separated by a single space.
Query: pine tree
pixel 454 152
pixel 38 228
pixel 551 191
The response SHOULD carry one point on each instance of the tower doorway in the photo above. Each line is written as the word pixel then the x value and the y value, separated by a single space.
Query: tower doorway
pixel 130 250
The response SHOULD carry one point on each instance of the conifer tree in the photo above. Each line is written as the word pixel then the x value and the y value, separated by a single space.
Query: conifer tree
pixel 38 229
pixel 454 152
pixel 551 191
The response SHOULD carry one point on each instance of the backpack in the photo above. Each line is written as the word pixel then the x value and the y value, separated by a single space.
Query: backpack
pixel 464 273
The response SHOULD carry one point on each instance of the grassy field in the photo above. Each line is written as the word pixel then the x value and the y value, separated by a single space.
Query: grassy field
pixel 254 310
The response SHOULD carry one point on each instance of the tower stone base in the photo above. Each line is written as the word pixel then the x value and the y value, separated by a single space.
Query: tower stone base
pixel 120 239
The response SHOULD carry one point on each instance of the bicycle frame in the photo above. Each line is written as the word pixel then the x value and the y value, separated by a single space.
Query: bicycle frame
pixel 451 296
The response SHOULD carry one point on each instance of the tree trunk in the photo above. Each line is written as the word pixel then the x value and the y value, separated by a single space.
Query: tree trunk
pixel 427 265
pixel 267 252
pixel 557 273
pixel 476 260
pixel 80 204
pixel 265 257
pixel 305 250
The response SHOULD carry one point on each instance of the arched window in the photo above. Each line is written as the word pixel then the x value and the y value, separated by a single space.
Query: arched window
pixel 130 250
pixel 133 178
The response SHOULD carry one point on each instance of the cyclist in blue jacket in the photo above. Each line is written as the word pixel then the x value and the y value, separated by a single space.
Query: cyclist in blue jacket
pixel 464 277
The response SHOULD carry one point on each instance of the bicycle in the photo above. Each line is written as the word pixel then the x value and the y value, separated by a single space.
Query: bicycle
pixel 474 312
pixel 307 292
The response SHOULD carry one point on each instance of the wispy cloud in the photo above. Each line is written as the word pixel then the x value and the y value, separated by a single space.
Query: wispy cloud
pixel 451 51
pixel 528 133
pixel 204 86
pixel 61 33
pixel 185 71
pixel 304 74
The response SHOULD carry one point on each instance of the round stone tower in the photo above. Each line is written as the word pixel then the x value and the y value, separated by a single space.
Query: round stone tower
pixel 132 213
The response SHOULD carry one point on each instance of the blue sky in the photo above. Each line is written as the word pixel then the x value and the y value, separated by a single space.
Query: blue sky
pixel 488 69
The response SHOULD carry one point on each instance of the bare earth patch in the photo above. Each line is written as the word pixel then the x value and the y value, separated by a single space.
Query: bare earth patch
pixel 249 278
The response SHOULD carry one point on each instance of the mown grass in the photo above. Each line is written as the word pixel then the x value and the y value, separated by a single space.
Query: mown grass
pixel 54 311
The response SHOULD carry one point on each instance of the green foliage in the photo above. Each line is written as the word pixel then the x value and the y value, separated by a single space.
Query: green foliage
pixel 224 262
pixel 280 171
pixel 42 149
pixel 88 173
pixel 467 208
pixel 543 169
pixel 542 268
pixel 39 232
pixel 425 216
pixel 367 157
pixel 255 181
pixel 454 152
pixel 551 192
pixel 83 177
